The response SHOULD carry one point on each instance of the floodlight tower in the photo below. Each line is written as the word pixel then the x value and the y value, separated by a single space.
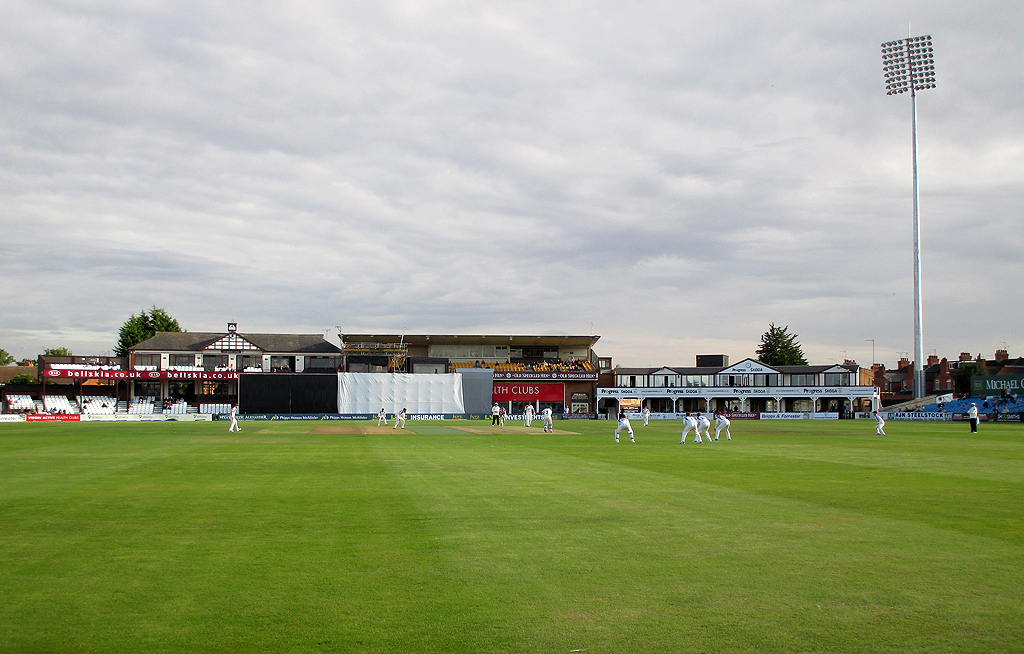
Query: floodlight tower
pixel 909 66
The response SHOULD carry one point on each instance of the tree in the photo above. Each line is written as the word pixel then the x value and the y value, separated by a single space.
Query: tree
pixel 5 358
pixel 142 327
pixel 780 348
pixel 57 352
pixel 963 373
pixel 23 378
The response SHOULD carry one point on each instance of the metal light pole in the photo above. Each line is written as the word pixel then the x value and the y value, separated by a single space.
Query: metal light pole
pixel 909 66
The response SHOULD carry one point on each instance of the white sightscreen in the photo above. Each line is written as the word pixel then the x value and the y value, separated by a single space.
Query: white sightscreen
pixel 368 392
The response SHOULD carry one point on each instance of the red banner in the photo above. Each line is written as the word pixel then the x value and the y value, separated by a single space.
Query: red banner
pixel 529 374
pixel 141 375
pixel 57 417
pixel 528 392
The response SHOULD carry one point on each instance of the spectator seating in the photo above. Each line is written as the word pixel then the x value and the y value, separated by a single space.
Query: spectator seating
pixel 177 408
pixel 141 407
pixel 58 404
pixel 99 406
pixel 83 366
pixel 214 408
pixel 993 404
pixel 21 403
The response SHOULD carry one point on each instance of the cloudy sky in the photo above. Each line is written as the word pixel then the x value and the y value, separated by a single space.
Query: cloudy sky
pixel 670 175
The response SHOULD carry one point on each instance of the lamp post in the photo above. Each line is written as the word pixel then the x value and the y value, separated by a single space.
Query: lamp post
pixel 909 67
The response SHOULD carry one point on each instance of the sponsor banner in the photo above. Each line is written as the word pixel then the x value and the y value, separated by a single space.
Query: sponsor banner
pixel 784 416
pixel 737 391
pixel 11 417
pixel 355 416
pixel 301 416
pixel 60 417
pixel 916 416
pixel 1010 417
pixel 826 415
pixel 579 376
pixel 985 386
pixel 175 417
pixel 141 375
pixel 527 392
pixel 679 416
pixel 738 415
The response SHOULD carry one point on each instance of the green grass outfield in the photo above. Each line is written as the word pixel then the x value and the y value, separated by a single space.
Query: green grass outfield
pixel 797 536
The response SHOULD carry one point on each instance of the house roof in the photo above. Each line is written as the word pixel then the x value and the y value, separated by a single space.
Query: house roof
pixel 198 341
pixel 715 370
pixel 472 339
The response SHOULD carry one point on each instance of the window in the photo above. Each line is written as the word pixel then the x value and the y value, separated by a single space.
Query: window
pixel 211 387
pixel 837 379
pixel 215 361
pixel 322 363
pixel 282 364
pixel 147 389
pixel 801 380
pixel 182 360
pixel 249 362
pixel 152 360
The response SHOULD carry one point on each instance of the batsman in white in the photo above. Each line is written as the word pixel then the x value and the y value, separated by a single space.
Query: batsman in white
pixel 528 418
pixel 879 424
pixel 721 422
pixel 624 424
pixel 703 425
pixel 689 424
pixel 400 418
pixel 382 417
pixel 549 423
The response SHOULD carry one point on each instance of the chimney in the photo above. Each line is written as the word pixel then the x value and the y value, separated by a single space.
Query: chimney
pixel 904 363
pixel 965 356
pixel 933 360
pixel 1002 355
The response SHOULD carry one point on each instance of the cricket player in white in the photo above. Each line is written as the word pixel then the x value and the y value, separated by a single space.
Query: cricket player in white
pixel 624 424
pixel 703 425
pixel 382 417
pixel 647 414
pixel 721 422
pixel 234 419
pixel 690 424
pixel 549 423
pixel 529 414
pixel 879 424
pixel 400 418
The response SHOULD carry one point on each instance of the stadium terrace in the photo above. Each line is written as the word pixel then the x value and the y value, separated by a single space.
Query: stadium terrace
pixel 431 375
